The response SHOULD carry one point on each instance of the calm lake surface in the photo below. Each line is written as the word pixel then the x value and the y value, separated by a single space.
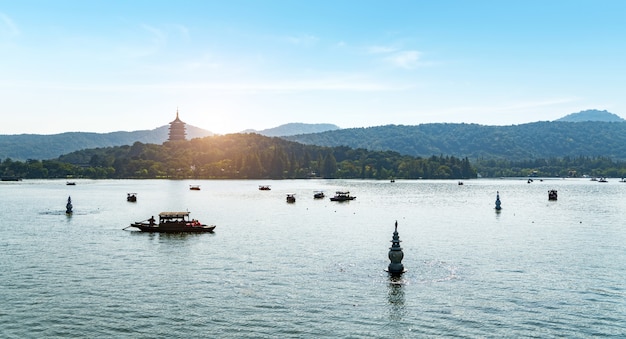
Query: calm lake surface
pixel 315 268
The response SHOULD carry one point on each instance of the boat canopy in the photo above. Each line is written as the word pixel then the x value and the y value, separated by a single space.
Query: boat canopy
pixel 173 214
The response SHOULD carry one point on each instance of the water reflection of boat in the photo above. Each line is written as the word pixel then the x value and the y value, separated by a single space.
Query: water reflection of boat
pixel 172 222
pixel 342 196
pixel 552 195
pixel 132 197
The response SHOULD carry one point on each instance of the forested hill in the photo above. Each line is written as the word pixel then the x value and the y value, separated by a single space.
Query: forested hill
pixel 516 142
pixel 38 146
pixel 238 156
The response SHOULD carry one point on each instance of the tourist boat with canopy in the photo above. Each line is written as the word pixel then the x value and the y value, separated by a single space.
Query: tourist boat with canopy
pixel 173 222
pixel 342 196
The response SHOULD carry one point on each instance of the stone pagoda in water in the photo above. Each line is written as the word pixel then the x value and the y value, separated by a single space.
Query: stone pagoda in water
pixel 177 129
pixel 395 255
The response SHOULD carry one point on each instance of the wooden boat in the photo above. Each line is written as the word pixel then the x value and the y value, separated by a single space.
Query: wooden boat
pixel 194 187
pixel 291 198
pixel 173 222
pixel 319 195
pixel 342 196
pixel 264 187
pixel 603 179
pixel 552 195
pixel 131 197
pixel 70 183
pixel 11 178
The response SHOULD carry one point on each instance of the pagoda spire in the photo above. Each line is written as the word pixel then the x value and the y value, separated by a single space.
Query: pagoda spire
pixel 177 129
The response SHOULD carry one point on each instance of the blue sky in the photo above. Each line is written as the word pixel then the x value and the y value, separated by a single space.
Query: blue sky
pixel 103 66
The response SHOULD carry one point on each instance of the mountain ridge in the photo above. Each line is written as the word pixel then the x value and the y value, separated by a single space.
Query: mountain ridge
pixel 420 140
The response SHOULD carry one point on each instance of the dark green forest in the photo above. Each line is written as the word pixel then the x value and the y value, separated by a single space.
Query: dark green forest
pixel 238 156
pixel 538 140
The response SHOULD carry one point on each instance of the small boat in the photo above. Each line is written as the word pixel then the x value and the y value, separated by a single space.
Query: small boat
pixel 71 183
pixel 530 180
pixel 11 178
pixel 132 197
pixel 264 187
pixel 291 197
pixel 552 195
pixel 194 187
pixel 392 180
pixel 342 196
pixel 318 195
pixel 173 222
pixel 603 179
pixel 460 182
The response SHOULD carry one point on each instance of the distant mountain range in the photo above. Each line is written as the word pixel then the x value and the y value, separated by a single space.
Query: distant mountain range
pixel 595 133
pixel 42 147
pixel 591 115
pixel 294 129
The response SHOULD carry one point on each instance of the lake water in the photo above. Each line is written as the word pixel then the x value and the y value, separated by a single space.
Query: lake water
pixel 314 268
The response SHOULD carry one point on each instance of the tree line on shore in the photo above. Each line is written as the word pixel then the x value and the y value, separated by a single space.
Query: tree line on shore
pixel 238 156
pixel 252 156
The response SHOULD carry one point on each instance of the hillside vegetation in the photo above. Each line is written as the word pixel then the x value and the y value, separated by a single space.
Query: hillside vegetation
pixel 514 143
pixel 238 156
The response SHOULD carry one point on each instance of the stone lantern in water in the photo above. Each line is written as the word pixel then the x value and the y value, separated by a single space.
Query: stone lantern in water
pixel 396 255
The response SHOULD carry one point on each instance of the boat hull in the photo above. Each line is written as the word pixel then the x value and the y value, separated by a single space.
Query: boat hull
pixel 173 228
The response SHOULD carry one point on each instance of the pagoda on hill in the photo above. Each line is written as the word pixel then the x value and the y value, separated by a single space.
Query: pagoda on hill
pixel 177 129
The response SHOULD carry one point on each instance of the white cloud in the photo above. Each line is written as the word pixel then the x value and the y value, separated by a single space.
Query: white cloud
pixel 8 27
pixel 405 59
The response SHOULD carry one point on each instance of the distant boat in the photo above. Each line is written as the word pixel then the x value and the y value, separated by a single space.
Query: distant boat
pixel 132 197
pixel 264 188
pixel 552 195
pixel 318 195
pixel 460 182
pixel 194 187
pixel 173 222
pixel 342 196
pixel 71 183
pixel 603 179
pixel 291 198
pixel 11 178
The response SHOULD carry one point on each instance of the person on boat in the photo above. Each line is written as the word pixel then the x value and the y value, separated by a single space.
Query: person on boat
pixel 151 221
